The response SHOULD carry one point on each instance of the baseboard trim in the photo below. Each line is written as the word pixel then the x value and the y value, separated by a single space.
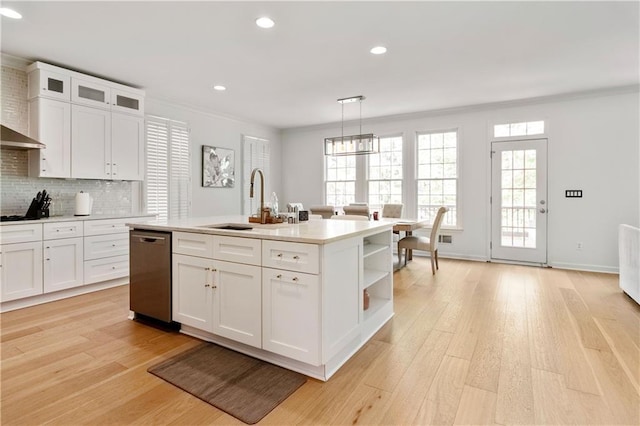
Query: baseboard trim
pixel 586 268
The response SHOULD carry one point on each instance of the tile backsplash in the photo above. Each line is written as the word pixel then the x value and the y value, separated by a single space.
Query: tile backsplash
pixel 17 189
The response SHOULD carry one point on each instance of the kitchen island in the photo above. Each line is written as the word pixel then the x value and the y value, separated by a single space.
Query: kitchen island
pixel 303 296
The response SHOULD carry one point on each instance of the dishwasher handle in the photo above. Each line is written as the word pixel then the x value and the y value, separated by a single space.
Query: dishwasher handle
pixel 148 239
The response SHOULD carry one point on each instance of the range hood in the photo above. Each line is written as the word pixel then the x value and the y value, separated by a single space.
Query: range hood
pixel 12 139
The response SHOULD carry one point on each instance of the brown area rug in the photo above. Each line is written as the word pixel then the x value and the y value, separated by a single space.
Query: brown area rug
pixel 242 386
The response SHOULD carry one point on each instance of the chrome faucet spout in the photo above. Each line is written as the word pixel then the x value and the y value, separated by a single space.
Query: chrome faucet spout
pixel 253 176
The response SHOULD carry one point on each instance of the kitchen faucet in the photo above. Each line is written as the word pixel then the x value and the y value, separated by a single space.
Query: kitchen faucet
pixel 263 217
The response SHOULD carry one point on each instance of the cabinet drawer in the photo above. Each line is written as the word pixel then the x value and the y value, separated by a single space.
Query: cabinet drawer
pixel 191 244
pixel 100 246
pixel 57 230
pixel 20 233
pixel 106 269
pixel 239 250
pixel 291 256
pixel 106 226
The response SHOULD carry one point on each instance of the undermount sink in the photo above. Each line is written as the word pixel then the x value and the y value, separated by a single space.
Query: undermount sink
pixel 244 226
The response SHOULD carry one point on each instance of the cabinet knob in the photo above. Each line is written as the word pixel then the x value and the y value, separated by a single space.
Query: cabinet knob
pixel 296 257
pixel 214 270
pixel 279 276
pixel 207 285
pixel 113 245
pixel 48 258
pixel 113 267
pixel 57 230
pixel 206 269
pixel 279 254
pixel 214 286
pixel 295 279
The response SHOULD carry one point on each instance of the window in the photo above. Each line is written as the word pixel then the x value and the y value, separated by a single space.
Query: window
pixel 437 175
pixel 385 173
pixel 340 182
pixel 518 129
pixel 256 152
pixel 168 179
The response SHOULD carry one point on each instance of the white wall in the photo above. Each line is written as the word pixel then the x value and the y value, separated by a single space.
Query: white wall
pixel 593 145
pixel 213 130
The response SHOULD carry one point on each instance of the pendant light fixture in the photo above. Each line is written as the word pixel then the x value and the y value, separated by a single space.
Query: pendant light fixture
pixel 367 143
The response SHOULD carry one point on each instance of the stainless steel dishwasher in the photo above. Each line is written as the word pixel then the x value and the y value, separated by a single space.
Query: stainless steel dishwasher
pixel 150 274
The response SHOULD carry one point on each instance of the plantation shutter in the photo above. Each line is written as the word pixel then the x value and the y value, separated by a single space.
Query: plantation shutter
pixel 255 153
pixel 167 182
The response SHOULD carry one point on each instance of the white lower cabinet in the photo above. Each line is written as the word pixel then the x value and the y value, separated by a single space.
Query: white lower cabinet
pixel 191 293
pixel 21 270
pixel 63 264
pixel 291 314
pixel 219 297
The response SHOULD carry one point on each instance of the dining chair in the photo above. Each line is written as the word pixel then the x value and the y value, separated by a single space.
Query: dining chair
pixel 349 217
pixel 356 210
pixel 392 210
pixel 325 211
pixel 429 244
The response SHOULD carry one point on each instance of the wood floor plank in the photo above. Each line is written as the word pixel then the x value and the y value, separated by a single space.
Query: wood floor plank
pixel 365 405
pixel 443 399
pixel 623 347
pixel 551 400
pixel 590 334
pixel 411 391
pixel 477 407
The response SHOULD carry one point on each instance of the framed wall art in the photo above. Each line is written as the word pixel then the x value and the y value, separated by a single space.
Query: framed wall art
pixel 218 167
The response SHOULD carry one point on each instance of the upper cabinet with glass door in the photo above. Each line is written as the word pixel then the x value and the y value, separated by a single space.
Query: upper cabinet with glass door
pixel 127 102
pixel 89 93
pixel 49 84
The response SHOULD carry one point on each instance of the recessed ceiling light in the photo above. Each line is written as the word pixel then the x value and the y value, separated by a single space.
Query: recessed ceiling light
pixel 265 22
pixel 10 13
pixel 219 88
pixel 378 50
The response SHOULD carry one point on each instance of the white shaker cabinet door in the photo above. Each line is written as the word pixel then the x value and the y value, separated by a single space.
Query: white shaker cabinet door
pixel 291 314
pixel 237 300
pixel 91 136
pixel 127 147
pixel 50 123
pixel 191 291
pixel 21 270
pixel 63 264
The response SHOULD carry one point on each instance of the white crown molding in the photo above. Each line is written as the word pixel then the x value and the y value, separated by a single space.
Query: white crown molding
pixel 14 61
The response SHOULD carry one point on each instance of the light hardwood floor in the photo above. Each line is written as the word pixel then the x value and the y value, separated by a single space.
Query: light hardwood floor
pixel 478 343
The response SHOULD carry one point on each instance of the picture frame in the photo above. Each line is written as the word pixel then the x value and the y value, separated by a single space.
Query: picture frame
pixel 218 167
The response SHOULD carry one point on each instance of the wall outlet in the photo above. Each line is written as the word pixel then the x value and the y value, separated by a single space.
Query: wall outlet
pixel 578 246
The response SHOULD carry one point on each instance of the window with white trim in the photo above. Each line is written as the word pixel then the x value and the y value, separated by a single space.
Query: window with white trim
pixel 256 153
pixel 167 185
pixel 437 175
pixel 385 173
pixel 528 128
pixel 340 180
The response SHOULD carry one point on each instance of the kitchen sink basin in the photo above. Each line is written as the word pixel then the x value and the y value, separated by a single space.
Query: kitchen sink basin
pixel 244 226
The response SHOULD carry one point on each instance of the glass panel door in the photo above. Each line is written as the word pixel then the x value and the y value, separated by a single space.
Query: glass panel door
pixel 519 206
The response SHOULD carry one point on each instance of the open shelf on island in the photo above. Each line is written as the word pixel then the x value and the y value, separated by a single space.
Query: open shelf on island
pixel 371 249
pixel 371 276
pixel 375 303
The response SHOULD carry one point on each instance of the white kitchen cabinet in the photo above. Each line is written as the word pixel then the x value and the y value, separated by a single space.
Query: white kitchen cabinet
pixel 57 230
pixel 291 314
pixel 50 123
pixel 90 93
pixel 106 226
pixel 48 84
pixel 291 256
pixel 21 274
pixel 63 264
pixel 221 297
pixel 237 300
pixel 127 102
pixel 127 147
pixel 99 246
pixel 91 136
pixel 191 291
pixel 105 269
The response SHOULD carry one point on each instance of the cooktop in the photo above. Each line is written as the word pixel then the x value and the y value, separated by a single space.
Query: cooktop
pixel 16 218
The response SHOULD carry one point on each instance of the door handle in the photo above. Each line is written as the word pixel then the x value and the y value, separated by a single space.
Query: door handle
pixel 542 211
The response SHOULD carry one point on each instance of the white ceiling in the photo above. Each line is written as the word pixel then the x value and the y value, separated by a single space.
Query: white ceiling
pixel 441 54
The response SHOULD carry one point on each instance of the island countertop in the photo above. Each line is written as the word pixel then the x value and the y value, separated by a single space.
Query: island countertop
pixel 314 231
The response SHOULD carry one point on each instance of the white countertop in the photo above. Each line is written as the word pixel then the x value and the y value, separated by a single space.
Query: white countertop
pixel 54 219
pixel 314 231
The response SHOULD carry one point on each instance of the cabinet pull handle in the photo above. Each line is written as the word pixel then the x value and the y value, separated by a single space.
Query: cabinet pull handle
pixel 214 270
pixel 296 257
pixel 295 279
pixel 279 254
pixel 214 286
pixel 47 258
pixel 206 269
pixel 279 276
pixel 207 285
